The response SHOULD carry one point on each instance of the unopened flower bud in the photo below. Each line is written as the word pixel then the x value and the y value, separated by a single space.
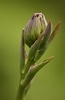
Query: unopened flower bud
pixel 36 25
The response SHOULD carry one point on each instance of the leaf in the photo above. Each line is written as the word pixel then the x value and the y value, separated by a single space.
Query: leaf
pixel 46 35
pixel 32 53
pixel 22 61
pixel 54 32
pixel 36 68
pixel 32 72
pixel 43 44
pixel 35 47
pixel 39 54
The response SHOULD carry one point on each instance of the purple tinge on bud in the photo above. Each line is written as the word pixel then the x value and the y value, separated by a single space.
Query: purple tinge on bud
pixel 36 25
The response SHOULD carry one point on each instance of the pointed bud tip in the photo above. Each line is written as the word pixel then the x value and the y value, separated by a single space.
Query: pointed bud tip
pixel 49 59
pixel 49 25
pixel 49 22
pixel 57 25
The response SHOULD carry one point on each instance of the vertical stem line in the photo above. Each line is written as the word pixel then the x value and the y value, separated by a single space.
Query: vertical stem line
pixel 22 62
pixel 20 93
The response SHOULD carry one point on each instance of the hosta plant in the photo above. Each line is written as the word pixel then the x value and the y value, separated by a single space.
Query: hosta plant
pixel 37 35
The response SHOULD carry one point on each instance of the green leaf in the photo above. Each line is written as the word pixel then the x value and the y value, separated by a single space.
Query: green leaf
pixel 54 32
pixel 32 53
pixel 36 68
pixel 35 47
pixel 46 36
pixel 43 44
pixel 33 70
pixel 22 61
pixel 39 53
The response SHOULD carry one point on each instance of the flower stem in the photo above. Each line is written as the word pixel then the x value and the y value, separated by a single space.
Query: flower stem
pixel 20 93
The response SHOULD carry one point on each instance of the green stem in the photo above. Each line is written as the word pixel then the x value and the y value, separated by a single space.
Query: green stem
pixel 20 93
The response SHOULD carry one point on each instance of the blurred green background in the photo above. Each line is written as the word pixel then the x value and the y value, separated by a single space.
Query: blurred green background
pixel 49 83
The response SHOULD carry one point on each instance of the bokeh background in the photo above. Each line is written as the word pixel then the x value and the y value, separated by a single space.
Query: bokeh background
pixel 49 83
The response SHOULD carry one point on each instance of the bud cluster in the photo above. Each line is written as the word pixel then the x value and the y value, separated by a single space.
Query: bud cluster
pixel 38 27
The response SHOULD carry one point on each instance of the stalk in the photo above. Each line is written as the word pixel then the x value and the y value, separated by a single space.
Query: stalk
pixel 20 93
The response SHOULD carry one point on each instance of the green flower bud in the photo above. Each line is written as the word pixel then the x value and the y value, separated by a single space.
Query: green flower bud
pixel 36 25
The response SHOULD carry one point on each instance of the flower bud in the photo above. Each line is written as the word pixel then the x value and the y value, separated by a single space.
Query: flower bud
pixel 36 25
